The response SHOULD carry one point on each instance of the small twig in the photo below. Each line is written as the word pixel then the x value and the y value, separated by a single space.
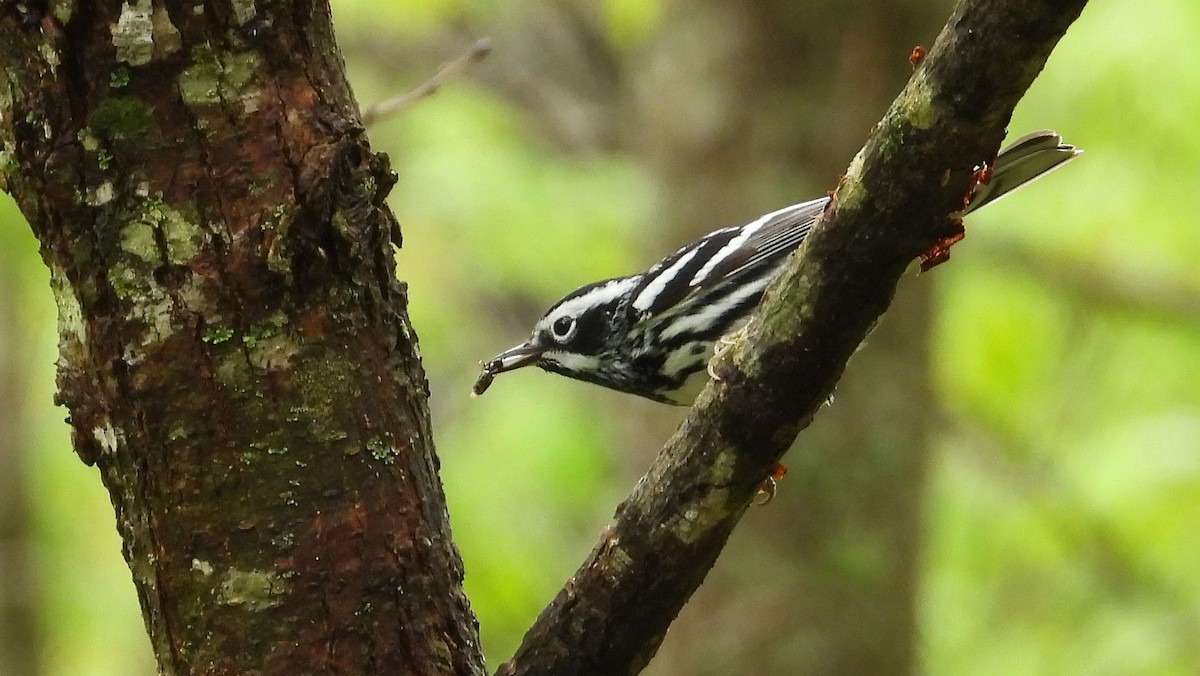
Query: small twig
pixel 385 109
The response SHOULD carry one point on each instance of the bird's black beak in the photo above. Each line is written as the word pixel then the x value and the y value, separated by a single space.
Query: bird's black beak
pixel 512 358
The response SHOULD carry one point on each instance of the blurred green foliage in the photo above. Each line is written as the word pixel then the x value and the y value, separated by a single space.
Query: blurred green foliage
pixel 1064 497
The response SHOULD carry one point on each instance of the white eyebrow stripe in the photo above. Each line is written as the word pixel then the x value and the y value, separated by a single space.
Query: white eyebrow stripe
pixel 598 296
pixel 646 298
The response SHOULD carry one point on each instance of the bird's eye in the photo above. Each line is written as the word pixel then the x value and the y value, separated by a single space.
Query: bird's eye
pixel 563 327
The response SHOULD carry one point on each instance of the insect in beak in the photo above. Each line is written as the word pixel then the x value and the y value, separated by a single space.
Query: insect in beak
pixel 512 358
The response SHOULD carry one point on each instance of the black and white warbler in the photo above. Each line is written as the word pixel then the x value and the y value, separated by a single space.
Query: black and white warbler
pixel 652 333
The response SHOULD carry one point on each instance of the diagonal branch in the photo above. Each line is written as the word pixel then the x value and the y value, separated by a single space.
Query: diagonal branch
pixel 896 201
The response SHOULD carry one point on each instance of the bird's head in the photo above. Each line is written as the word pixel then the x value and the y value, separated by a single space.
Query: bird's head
pixel 581 336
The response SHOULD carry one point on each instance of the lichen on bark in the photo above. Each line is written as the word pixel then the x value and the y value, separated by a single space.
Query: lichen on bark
pixel 235 354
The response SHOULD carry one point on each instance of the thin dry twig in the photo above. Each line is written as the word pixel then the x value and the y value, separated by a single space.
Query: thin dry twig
pixel 385 109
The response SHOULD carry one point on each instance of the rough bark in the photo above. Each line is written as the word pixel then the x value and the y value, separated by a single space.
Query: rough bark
pixel 896 200
pixel 236 356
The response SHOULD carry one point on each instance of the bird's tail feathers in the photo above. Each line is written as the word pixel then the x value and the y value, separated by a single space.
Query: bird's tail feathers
pixel 1030 157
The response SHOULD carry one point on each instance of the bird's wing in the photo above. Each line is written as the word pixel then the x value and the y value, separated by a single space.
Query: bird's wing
pixel 733 262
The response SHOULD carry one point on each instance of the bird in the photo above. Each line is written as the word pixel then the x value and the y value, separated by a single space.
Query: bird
pixel 652 333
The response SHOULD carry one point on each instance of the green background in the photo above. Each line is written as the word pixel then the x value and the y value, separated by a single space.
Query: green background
pixel 1061 506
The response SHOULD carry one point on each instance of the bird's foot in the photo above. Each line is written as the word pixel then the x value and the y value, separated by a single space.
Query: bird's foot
pixel 724 344
pixel 766 490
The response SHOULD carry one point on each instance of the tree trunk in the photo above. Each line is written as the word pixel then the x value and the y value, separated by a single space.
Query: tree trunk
pixel 236 356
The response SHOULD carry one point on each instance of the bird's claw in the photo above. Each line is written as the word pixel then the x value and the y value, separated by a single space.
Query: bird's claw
pixel 724 344
pixel 765 493
pixel 767 489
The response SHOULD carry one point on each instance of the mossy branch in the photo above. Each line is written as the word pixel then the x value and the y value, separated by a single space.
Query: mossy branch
pixel 897 199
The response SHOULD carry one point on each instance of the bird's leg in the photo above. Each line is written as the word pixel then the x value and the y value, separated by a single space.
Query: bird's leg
pixel 766 490
pixel 724 344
